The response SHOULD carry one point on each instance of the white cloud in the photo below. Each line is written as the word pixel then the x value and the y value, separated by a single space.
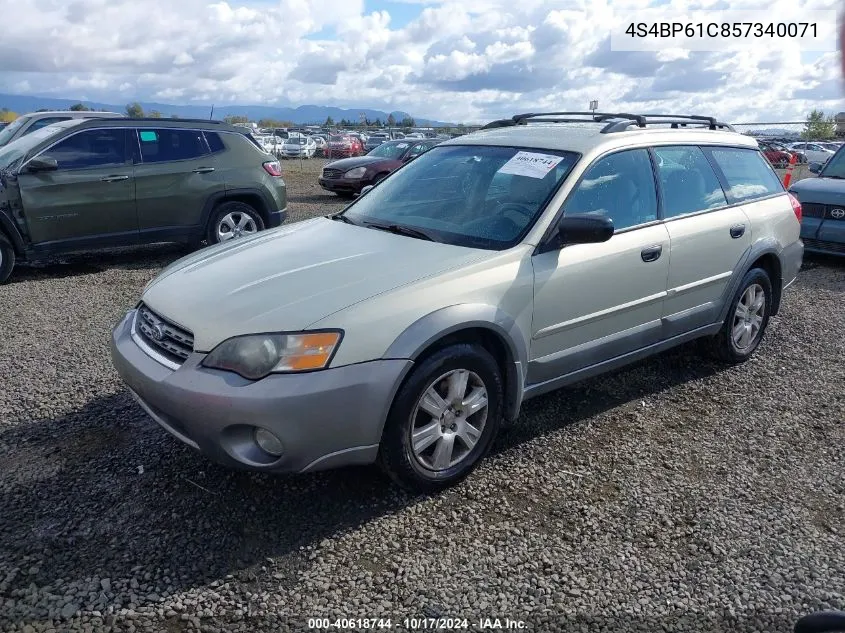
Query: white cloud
pixel 460 60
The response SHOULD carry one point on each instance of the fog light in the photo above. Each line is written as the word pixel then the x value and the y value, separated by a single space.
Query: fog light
pixel 268 442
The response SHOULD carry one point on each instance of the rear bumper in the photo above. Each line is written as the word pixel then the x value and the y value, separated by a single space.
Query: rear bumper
pixel 791 258
pixel 276 218
pixel 324 419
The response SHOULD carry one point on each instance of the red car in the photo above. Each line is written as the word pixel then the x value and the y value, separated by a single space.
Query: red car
pixel 344 146
pixel 775 155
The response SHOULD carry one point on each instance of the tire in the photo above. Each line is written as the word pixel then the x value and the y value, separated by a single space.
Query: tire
pixel 725 344
pixel 457 441
pixel 231 214
pixel 346 195
pixel 7 258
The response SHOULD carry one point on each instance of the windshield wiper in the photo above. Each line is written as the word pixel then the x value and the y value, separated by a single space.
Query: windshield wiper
pixel 342 218
pixel 400 229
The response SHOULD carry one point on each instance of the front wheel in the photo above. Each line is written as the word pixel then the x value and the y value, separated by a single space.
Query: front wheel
pixel 443 420
pixel 7 258
pixel 747 318
pixel 232 220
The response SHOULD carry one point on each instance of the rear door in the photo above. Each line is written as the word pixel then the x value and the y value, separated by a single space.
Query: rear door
pixel 89 197
pixel 175 175
pixel 708 237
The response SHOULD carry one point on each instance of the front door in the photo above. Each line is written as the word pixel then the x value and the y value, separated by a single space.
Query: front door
pixel 594 302
pixel 90 198
pixel 175 176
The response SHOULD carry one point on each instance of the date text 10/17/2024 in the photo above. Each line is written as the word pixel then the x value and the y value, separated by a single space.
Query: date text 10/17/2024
pixel 415 624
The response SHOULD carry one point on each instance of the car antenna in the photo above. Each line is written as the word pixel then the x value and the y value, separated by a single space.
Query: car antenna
pixel 211 116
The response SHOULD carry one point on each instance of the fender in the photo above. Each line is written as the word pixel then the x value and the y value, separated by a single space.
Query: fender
pixel 426 331
pixel 763 246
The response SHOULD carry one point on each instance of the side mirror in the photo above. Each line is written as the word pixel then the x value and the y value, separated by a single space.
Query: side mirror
pixel 41 163
pixel 365 190
pixel 815 168
pixel 584 229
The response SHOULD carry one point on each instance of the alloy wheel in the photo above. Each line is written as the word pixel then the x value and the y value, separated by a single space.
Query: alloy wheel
pixel 234 225
pixel 748 317
pixel 449 419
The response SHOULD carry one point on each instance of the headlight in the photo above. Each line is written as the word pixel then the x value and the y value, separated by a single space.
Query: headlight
pixel 355 173
pixel 254 356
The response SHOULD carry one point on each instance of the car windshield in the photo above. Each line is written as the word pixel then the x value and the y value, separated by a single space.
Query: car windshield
pixel 14 151
pixel 468 195
pixel 389 150
pixel 9 131
pixel 835 166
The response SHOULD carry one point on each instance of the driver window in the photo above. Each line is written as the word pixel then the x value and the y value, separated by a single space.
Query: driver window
pixel 620 187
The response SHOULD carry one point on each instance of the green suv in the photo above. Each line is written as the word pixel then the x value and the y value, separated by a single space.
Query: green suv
pixel 99 183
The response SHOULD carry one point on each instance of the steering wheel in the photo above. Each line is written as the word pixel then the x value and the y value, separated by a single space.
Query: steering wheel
pixel 525 210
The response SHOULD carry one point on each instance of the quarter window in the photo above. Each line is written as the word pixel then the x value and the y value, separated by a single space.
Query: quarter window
pixel 620 187
pixel 90 148
pixel 688 181
pixel 747 173
pixel 166 144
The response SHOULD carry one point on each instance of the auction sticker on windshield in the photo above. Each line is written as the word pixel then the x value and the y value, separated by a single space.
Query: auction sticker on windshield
pixel 531 164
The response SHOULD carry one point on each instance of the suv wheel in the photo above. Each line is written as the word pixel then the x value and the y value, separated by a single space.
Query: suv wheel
pixel 443 420
pixel 7 258
pixel 232 220
pixel 747 318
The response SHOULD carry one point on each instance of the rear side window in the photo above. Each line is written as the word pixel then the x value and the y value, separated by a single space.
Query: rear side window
pixel 620 187
pixel 90 148
pixel 688 181
pixel 39 123
pixel 165 144
pixel 215 143
pixel 746 172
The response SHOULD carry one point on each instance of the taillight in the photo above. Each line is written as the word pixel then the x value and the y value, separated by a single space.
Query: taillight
pixel 796 206
pixel 273 168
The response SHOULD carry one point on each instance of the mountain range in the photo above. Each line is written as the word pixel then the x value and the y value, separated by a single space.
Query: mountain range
pixel 299 115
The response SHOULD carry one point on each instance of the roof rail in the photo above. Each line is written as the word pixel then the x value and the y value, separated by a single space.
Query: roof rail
pixel 616 122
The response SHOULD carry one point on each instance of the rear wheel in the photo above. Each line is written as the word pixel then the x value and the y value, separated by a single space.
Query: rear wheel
pixel 231 220
pixel 443 420
pixel 747 318
pixel 7 258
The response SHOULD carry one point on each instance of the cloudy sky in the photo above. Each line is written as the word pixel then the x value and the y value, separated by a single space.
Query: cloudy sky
pixel 456 60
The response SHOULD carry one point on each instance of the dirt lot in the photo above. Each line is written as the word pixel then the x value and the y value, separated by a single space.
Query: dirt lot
pixel 676 495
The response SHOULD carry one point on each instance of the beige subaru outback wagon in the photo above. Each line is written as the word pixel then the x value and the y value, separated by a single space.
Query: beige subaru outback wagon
pixel 496 267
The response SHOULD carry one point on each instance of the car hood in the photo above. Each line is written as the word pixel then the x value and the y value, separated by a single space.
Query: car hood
pixel 288 278
pixel 359 161
pixel 820 190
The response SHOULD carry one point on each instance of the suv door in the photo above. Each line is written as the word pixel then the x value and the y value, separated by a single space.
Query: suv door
pixel 708 237
pixel 90 195
pixel 175 175
pixel 593 302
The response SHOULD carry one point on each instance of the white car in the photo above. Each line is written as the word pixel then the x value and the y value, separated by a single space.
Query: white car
pixel 815 152
pixel 408 327
pixel 270 143
pixel 299 147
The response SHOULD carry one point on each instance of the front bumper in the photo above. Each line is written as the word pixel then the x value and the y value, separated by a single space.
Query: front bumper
pixel 344 185
pixel 823 235
pixel 324 419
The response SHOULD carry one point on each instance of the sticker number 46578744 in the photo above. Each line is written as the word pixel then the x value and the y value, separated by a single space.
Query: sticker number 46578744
pixel 531 164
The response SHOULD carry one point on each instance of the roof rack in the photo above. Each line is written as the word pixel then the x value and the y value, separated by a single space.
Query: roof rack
pixel 616 122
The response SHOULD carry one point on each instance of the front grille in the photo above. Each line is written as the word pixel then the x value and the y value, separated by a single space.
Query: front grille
pixel 164 337
pixel 827 211
pixel 330 174
pixel 812 210
pixel 823 245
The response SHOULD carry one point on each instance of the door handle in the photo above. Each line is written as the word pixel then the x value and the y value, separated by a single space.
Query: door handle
pixel 737 230
pixel 203 170
pixel 114 178
pixel 652 253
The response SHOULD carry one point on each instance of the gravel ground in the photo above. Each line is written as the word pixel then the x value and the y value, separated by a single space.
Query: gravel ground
pixel 675 495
